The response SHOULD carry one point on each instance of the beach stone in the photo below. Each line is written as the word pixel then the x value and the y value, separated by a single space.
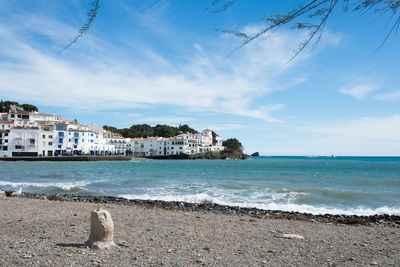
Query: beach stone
pixel 2 194
pixel 291 236
pixel 101 230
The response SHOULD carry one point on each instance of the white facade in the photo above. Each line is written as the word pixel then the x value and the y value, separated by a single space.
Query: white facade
pixel 182 144
pixel 39 134
pixel 201 142
pixel 23 141
pixel 122 145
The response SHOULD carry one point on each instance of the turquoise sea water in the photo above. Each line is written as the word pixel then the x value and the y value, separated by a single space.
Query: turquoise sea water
pixel 341 185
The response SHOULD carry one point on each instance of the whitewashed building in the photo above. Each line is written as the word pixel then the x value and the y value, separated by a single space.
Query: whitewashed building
pixel 122 144
pixel 201 142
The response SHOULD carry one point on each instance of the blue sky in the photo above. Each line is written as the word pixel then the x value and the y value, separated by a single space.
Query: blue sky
pixel 168 65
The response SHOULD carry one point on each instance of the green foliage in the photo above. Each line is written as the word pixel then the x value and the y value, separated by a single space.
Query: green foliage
pixel 214 137
pixel 30 108
pixel 145 130
pixel 141 130
pixel 232 145
pixel 111 129
pixel 186 129
pixel 5 106
pixel 165 131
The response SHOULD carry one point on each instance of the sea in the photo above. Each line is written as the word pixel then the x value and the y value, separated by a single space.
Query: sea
pixel 317 185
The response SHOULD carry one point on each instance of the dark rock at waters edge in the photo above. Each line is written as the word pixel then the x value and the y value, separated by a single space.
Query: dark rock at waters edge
pixel 206 155
pixel 206 206
pixel 255 154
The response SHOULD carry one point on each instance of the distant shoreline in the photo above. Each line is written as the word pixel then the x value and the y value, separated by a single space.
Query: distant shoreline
pixel 70 158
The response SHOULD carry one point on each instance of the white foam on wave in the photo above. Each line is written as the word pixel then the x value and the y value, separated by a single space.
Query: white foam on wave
pixel 64 186
pixel 272 205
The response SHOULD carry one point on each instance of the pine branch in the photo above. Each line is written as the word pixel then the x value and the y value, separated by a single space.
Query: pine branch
pixel 84 29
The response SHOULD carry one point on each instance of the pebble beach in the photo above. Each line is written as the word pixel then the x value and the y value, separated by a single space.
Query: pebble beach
pixel 41 232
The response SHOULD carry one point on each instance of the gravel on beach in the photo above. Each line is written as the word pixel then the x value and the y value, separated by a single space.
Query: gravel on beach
pixel 36 232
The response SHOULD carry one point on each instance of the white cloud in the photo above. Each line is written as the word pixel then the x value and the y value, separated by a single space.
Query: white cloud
pixel 367 128
pixel 224 127
pixel 360 91
pixel 389 96
pixel 203 80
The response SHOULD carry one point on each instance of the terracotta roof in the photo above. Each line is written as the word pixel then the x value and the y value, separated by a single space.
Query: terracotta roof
pixel 116 137
pixel 43 114
pixel 4 131
pixel 75 130
pixel 207 130
pixel 26 128
pixel 21 112
pixel 7 122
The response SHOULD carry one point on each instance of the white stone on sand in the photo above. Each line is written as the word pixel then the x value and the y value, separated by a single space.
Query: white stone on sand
pixel 101 230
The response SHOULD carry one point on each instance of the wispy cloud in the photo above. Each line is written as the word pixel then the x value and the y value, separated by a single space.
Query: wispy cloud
pixel 389 96
pixel 202 79
pixel 225 127
pixel 360 91
pixel 367 128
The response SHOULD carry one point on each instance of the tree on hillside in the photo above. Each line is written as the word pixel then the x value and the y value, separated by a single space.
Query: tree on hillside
pixel 29 107
pixel 5 106
pixel 311 15
pixel 141 130
pixel 214 138
pixel 111 129
pixel 186 129
pixel 165 131
pixel 232 145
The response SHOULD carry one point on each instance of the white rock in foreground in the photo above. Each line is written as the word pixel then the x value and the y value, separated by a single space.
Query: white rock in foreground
pixel 291 236
pixel 101 230
pixel 2 195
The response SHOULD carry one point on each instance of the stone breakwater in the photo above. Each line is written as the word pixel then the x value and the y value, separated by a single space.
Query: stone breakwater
pixel 374 220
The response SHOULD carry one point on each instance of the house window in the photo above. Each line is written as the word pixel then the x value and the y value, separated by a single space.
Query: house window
pixel 18 147
pixel 5 141
pixel 83 140
pixel 60 140
pixel 43 136
pixel 31 141
pixel 50 136
pixel 75 146
pixel 61 134
pixel 50 143
pixel 59 146
pixel 69 140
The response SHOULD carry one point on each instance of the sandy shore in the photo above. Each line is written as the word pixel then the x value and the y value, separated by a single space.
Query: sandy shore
pixel 51 233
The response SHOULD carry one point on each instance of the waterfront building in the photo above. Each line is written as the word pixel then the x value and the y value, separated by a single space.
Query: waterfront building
pixel 122 144
pixel 201 142
pixel 25 133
